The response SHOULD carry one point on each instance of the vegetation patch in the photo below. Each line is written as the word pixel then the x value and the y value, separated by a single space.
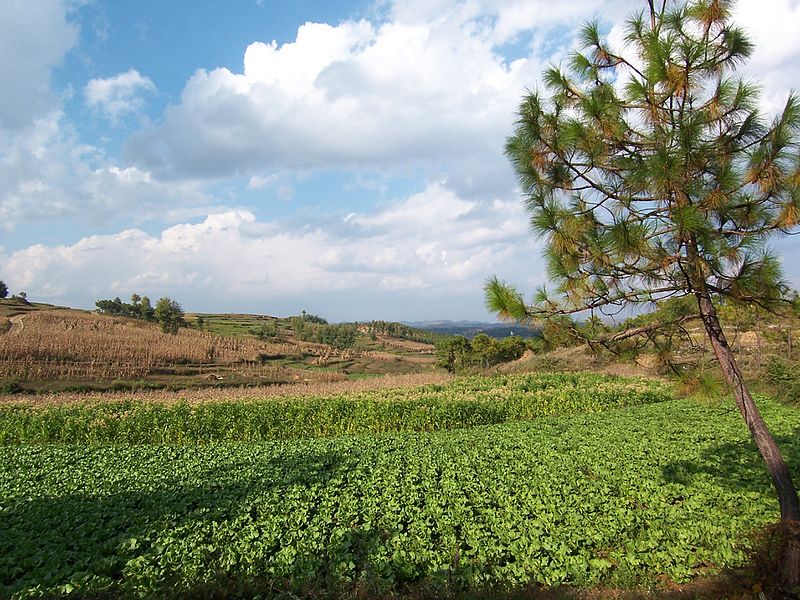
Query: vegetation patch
pixel 622 498
pixel 464 402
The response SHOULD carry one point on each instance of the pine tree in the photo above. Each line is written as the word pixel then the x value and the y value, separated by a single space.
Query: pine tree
pixel 651 174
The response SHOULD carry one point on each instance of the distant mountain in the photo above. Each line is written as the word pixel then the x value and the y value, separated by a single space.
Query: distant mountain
pixel 470 329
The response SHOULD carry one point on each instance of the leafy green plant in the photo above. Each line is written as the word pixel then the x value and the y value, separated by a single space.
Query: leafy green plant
pixel 625 497
pixel 465 402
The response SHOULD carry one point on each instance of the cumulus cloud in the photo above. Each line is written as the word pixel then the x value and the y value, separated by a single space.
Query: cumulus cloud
pixel 355 95
pixel 427 91
pixel 120 95
pixel 777 47
pixel 433 242
pixel 504 20
pixel 427 88
pixel 46 173
pixel 279 183
pixel 34 37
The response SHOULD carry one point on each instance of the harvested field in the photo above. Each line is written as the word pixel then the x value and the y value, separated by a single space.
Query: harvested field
pixel 75 345
pixel 200 395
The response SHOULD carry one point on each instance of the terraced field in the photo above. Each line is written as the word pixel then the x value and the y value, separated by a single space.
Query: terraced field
pixel 633 489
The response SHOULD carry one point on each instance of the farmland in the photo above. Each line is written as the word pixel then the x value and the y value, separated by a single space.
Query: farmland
pixel 45 348
pixel 581 480
pixel 463 402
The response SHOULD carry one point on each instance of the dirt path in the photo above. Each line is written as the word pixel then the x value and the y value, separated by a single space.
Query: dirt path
pixel 17 326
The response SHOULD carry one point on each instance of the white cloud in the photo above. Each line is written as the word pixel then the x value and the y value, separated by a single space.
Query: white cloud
pixel 429 93
pixel 45 171
pixel 773 28
pixel 34 37
pixel 45 174
pixel 389 97
pixel 434 205
pixel 120 95
pixel 232 260
pixel 280 184
pixel 428 88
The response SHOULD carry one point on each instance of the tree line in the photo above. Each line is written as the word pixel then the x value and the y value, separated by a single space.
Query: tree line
pixel 307 328
pixel 399 330
pixel 168 313
pixel 457 353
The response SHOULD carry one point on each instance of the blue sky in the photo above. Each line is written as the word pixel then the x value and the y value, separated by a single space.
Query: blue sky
pixel 343 158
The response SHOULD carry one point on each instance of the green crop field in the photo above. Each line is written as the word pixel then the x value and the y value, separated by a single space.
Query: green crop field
pixel 464 402
pixel 621 491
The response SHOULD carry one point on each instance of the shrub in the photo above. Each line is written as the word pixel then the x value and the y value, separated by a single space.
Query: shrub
pixel 784 380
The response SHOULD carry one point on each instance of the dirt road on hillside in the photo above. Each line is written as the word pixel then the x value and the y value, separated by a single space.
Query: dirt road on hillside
pixel 17 326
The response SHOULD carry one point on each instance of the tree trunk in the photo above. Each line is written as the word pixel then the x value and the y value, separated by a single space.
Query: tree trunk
pixel 787 493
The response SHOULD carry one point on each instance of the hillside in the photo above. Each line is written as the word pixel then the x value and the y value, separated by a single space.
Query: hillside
pixel 10 308
pixel 49 348
pixel 763 343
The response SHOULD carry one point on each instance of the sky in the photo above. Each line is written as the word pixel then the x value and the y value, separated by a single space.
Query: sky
pixel 339 157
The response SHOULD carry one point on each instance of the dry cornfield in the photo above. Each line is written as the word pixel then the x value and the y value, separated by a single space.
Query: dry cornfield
pixel 68 344
pixel 315 388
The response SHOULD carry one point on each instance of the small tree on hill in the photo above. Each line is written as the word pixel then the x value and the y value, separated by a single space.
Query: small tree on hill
pixel 146 310
pixel 452 352
pixel 652 175
pixel 169 315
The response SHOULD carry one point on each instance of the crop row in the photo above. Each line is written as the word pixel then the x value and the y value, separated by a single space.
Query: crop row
pixel 616 498
pixel 464 402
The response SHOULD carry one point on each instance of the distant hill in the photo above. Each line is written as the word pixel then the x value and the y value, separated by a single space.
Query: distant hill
pixel 44 348
pixel 470 329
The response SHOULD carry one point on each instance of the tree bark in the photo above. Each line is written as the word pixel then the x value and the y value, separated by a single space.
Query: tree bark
pixel 778 470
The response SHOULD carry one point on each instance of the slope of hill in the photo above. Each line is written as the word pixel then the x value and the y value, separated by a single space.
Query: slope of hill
pixel 10 308
pixel 48 348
